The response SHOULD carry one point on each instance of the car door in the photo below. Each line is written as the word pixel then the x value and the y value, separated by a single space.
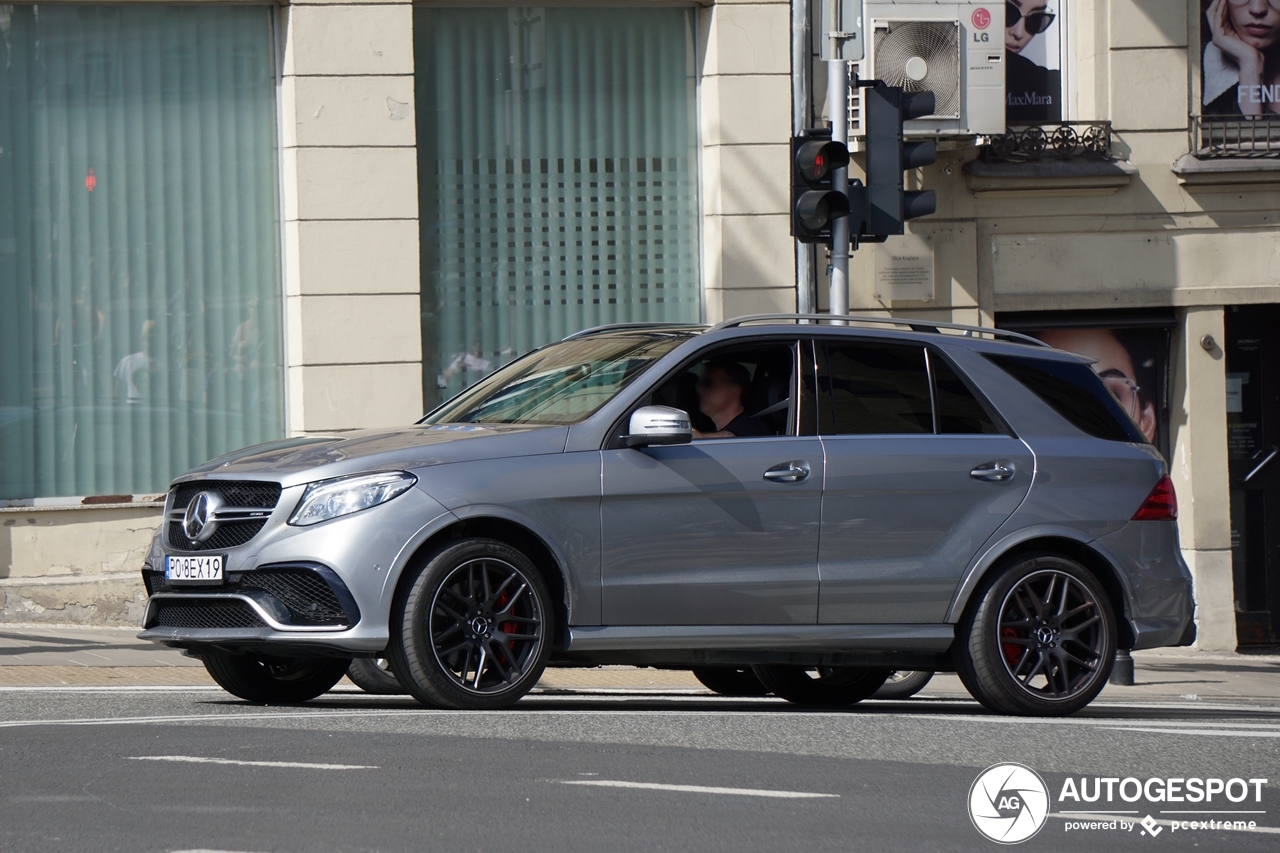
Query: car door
pixel 721 531
pixel 913 487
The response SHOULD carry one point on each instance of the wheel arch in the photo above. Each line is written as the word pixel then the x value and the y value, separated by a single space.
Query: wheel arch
pixel 546 559
pixel 1064 545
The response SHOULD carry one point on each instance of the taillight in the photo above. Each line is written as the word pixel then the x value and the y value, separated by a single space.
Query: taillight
pixel 1160 505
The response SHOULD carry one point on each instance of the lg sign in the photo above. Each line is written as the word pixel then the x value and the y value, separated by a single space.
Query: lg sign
pixel 981 18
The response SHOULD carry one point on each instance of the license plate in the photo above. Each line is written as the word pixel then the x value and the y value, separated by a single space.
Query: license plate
pixel 193 569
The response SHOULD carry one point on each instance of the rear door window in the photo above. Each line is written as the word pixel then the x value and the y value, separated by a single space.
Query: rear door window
pixel 869 388
pixel 1076 393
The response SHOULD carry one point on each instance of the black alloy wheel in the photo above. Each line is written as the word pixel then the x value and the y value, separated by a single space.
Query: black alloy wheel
pixel 474 627
pixel 827 686
pixel 1041 640
pixel 730 681
pixel 374 675
pixel 274 680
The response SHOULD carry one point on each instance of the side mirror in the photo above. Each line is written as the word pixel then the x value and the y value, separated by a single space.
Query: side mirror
pixel 652 425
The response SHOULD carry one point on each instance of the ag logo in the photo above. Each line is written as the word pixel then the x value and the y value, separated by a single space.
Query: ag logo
pixel 981 19
pixel 1008 803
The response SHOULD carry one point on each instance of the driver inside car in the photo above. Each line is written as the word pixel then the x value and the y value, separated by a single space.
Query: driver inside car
pixel 720 395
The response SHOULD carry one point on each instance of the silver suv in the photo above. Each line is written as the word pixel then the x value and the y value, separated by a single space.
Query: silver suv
pixel 821 503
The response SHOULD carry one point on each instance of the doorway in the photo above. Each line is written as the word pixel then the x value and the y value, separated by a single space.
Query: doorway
pixel 1253 448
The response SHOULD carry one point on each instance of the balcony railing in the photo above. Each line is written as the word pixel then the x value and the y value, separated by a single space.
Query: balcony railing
pixel 1052 140
pixel 1214 137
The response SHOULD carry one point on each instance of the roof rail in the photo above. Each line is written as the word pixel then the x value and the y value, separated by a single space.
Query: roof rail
pixel 616 327
pixel 927 326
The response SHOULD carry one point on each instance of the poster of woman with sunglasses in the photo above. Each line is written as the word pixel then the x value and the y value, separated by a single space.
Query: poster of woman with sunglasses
pixel 1033 73
pixel 1241 63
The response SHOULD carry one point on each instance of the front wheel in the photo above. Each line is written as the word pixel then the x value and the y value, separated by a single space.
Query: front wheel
pixel 1040 639
pixel 829 686
pixel 473 629
pixel 274 680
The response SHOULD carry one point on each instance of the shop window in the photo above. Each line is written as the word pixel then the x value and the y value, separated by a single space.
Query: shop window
pixel 1239 114
pixel 557 178
pixel 139 244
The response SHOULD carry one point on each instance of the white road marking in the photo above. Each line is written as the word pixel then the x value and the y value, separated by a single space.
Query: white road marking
pixel 1199 732
pixel 205 850
pixel 135 688
pixel 530 709
pixel 700 789
pixel 197 759
pixel 1264 830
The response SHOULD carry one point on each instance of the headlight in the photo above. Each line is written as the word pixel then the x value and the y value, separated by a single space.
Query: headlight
pixel 332 498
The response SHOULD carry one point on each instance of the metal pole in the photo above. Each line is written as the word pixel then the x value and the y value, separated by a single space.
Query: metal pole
pixel 801 65
pixel 838 110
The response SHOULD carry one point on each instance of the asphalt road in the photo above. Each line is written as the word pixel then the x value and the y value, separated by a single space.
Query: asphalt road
pixel 166 769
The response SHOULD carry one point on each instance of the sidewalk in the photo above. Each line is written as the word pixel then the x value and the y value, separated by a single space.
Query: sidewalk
pixel 74 656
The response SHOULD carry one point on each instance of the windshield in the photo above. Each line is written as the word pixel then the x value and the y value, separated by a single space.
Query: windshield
pixel 563 383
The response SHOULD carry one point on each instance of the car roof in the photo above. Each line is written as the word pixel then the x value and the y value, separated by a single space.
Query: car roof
pixel 827 323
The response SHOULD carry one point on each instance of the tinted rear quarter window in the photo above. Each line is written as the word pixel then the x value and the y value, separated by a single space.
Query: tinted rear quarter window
pixel 959 411
pixel 1075 392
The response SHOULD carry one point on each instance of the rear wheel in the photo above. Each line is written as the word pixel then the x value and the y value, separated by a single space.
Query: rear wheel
pixel 374 675
pixel 472 630
pixel 827 685
pixel 730 681
pixel 274 679
pixel 1040 639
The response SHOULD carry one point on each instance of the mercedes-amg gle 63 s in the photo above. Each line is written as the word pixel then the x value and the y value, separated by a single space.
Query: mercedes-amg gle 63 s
pixel 823 504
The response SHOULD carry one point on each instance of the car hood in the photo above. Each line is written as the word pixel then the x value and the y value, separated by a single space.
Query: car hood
pixel 293 461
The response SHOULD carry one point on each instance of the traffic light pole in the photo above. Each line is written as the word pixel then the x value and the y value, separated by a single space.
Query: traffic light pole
pixel 838 110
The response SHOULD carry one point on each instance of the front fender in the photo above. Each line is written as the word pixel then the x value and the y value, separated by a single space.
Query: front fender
pixel 574 595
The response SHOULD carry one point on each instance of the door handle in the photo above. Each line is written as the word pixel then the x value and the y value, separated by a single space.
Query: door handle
pixel 993 472
pixel 1271 454
pixel 788 472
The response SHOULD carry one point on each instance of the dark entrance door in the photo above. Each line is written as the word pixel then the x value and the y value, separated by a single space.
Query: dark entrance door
pixel 1253 441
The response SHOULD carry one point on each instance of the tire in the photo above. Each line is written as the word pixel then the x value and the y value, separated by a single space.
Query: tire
pixel 374 675
pixel 903 684
pixel 274 680
pixel 472 629
pixel 824 686
pixel 728 681
pixel 1039 638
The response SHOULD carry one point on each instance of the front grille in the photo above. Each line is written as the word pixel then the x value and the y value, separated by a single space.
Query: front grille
pixel 246 493
pixel 305 594
pixel 309 600
pixel 250 494
pixel 206 613
pixel 228 535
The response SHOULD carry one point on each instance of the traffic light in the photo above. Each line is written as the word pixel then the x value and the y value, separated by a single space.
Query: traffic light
pixel 889 206
pixel 815 204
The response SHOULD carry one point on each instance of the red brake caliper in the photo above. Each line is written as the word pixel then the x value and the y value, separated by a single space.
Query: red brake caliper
pixel 506 627
pixel 1012 651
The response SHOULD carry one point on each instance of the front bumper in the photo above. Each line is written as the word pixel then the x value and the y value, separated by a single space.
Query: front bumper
pixel 1161 605
pixel 340 576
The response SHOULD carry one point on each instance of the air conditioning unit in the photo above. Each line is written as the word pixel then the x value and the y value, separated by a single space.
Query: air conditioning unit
pixel 954 49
